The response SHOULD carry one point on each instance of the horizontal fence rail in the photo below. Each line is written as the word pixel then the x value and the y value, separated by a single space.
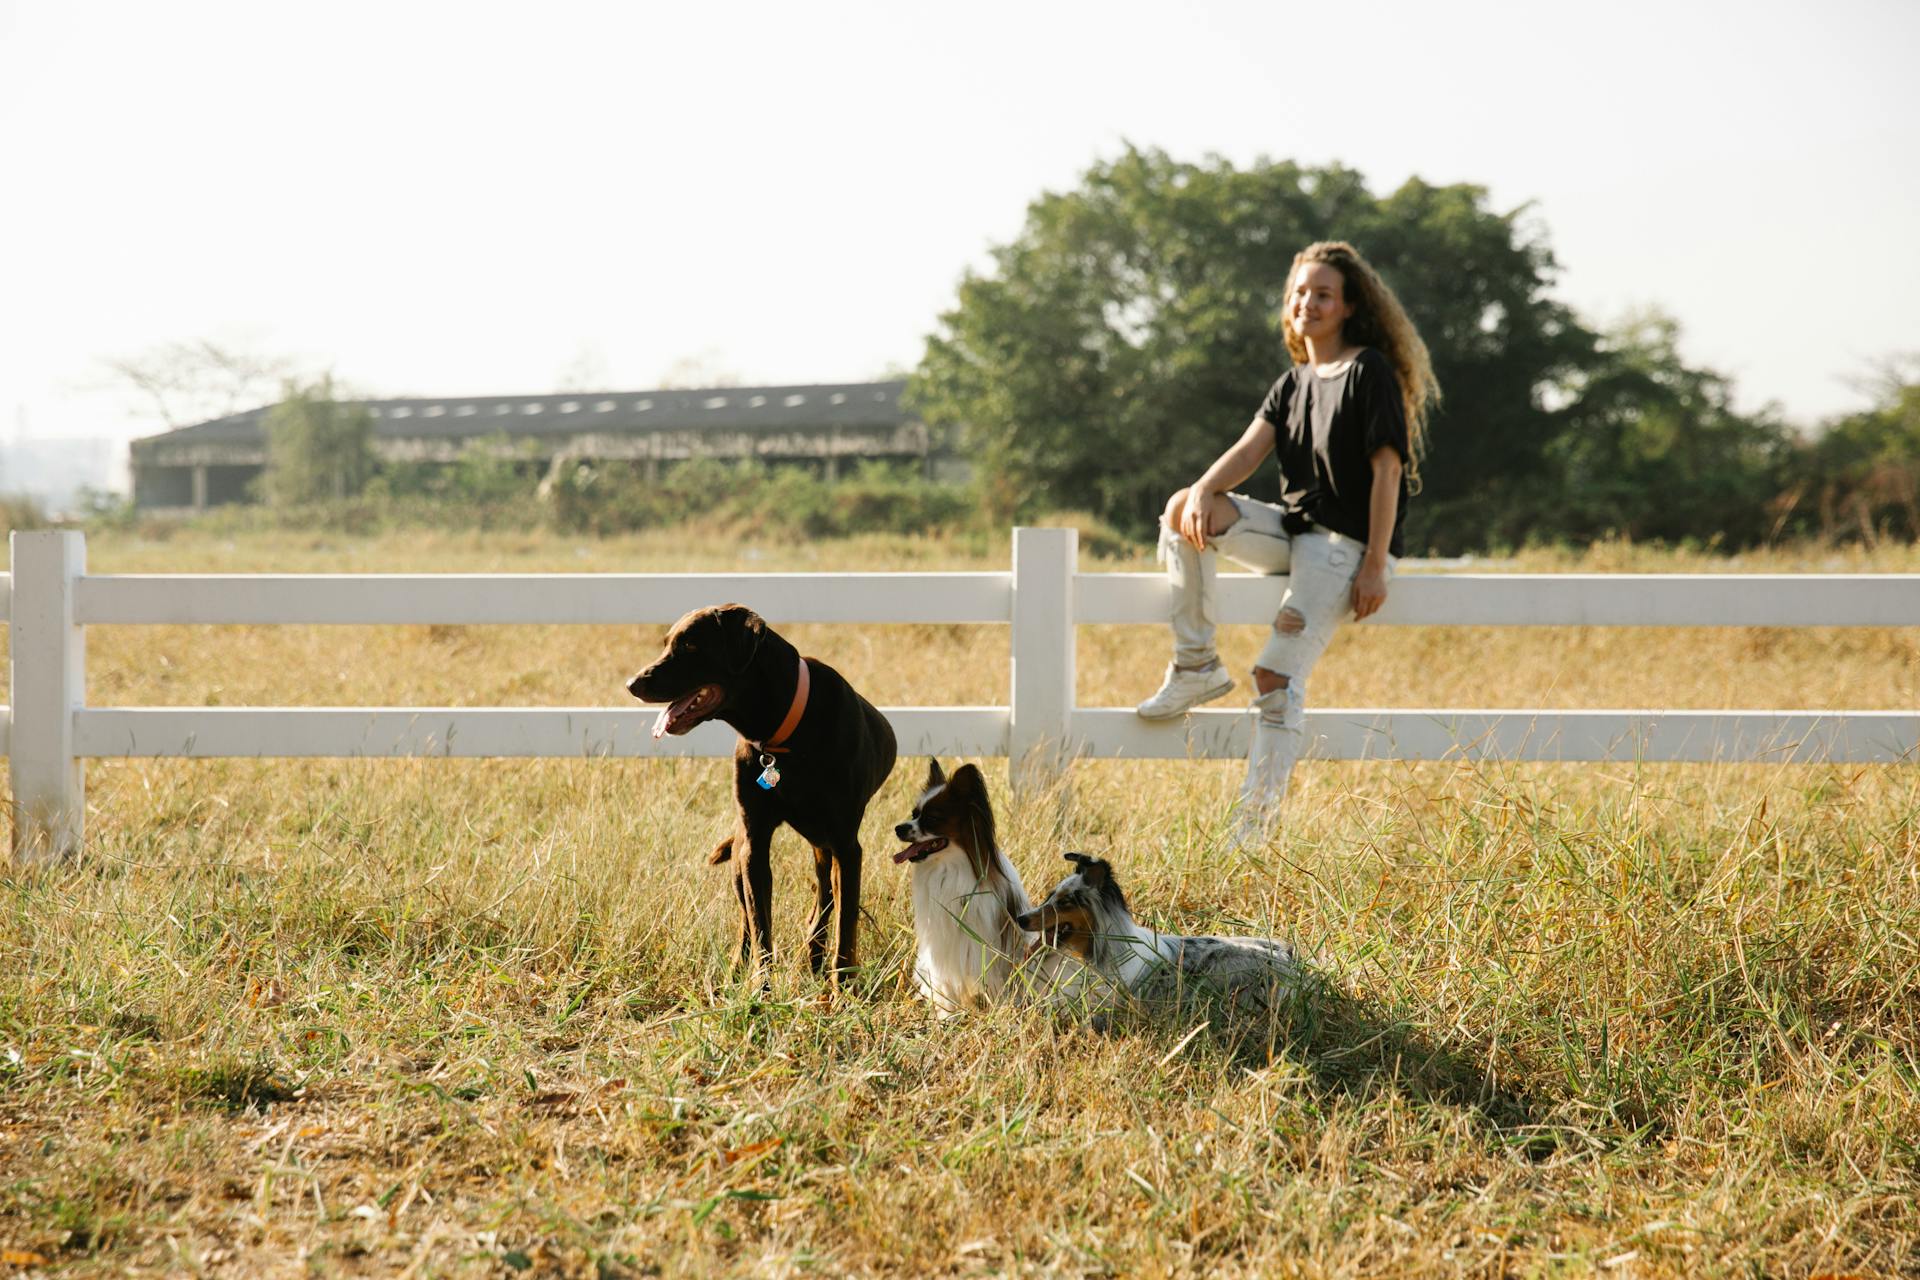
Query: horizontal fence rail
pixel 1357 733
pixel 538 599
pixel 473 732
pixel 49 599
pixel 1553 599
pixel 1458 599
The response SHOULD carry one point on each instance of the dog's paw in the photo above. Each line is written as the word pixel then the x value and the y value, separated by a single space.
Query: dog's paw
pixel 722 852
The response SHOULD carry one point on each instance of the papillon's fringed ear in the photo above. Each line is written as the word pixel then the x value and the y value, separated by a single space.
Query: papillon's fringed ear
pixel 971 789
pixel 935 775
pixel 744 630
pixel 1082 860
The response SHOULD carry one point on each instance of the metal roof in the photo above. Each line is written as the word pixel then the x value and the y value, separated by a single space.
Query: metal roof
pixel 847 404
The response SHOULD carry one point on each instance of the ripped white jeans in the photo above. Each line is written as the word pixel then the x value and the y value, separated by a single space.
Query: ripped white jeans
pixel 1320 566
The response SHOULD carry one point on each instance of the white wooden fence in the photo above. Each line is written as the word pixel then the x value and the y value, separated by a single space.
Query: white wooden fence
pixel 49 729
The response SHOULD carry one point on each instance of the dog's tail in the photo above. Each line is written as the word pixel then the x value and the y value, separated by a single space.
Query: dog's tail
pixel 721 852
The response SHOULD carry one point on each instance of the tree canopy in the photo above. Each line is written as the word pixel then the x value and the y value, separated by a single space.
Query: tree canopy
pixel 1128 334
pixel 1860 478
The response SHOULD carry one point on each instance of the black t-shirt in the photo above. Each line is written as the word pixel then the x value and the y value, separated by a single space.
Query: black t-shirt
pixel 1326 430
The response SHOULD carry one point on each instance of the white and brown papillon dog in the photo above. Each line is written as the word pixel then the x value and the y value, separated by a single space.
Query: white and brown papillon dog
pixel 966 895
pixel 1087 916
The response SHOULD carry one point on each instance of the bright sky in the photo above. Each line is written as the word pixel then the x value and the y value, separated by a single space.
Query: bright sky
pixel 470 198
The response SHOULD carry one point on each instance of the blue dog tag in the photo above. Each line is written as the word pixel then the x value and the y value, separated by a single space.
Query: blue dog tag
pixel 770 776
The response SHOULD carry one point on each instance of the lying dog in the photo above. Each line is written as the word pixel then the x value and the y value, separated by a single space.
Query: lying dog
pixel 812 752
pixel 965 894
pixel 1086 915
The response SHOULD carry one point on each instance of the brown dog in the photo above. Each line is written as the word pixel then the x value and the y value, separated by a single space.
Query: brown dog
pixel 812 752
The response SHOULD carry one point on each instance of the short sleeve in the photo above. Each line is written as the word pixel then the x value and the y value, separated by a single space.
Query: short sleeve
pixel 1383 414
pixel 1274 407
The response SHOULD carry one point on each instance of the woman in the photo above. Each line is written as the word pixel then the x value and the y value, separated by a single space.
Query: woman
pixel 1348 422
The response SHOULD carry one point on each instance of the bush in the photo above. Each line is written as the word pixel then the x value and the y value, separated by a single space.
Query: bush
pixel 752 497
pixel 18 511
pixel 492 471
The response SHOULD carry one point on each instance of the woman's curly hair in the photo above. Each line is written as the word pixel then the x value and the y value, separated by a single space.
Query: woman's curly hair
pixel 1380 322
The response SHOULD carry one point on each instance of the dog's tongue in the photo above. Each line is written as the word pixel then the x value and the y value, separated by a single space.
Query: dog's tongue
pixel 914 852
pixel 671 715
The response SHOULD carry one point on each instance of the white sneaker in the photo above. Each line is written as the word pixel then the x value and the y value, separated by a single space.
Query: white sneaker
pixel 1181 691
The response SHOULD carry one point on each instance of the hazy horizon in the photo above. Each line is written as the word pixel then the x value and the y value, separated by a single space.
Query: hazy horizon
pixel 465 201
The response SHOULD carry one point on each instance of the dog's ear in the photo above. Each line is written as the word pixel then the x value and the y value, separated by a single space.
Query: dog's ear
pixel 934 774
pixel 972 790
pixel 742 631
pixel 1097 872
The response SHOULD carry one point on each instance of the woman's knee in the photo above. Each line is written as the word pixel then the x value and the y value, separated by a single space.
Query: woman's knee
pixel 1267 681
pixel 1221 513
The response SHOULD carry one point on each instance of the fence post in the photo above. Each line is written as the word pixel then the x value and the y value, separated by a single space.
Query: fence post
pixel 49 683
pixel 1038 743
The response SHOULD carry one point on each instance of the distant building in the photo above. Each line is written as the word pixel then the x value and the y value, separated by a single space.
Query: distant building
pixel 211 463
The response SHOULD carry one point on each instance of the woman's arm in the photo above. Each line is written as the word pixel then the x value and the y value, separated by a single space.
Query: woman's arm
pixel 1383 507
pixel 1228 470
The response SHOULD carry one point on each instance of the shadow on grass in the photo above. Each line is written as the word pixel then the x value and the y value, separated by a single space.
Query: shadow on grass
pixel 1357 1048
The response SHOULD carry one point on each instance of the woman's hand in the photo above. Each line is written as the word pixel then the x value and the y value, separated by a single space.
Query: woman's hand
pixel 1194 520
pixel 1369 588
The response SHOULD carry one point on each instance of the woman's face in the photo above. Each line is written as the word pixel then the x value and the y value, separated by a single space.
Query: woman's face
pixel 1317 304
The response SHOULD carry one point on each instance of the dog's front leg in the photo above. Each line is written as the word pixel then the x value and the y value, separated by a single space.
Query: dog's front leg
pixel 753 885
pixel 846 903
pixel 822 906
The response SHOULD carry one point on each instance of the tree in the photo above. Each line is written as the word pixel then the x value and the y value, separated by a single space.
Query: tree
pixel 1860 476
pixel 1653 449
pixel 317 447
pixel 1128 334
pixel 187 382
pixel 698 372
pixel 587 371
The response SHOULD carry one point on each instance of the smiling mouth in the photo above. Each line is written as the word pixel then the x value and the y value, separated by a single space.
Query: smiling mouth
pixel 689 711
pixel 921 849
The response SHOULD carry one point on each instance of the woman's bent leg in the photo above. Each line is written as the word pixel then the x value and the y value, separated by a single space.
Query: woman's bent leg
pixel 1195 674
pixel 1190 577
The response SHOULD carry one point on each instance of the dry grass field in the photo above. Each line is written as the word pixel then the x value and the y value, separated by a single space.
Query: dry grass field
pixel 470 1018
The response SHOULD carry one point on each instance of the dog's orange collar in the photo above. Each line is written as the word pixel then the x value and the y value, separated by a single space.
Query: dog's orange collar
pixel 794 713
